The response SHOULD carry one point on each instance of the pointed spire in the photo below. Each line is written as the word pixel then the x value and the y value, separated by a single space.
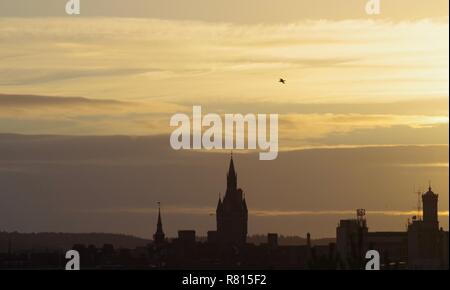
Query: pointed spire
pixel 231 176
pixel 159 225
pixel 158 237
pixel 231 171
pixel 219 204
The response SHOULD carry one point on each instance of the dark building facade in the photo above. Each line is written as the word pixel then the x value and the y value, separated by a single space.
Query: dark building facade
pixel 430 207
pixel 232 212
pixel 426 242
pixel 351 240
pixel 423 246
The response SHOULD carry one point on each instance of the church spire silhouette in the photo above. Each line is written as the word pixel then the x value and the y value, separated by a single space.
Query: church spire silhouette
pixel 231 176
pixel 232 211
pixel 159 236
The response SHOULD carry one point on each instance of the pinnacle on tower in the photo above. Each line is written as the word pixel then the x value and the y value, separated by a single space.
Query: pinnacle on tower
pixel 231 176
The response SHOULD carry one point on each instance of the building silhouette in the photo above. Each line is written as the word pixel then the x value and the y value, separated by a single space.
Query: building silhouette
pixel 427 244
pixel 423 246
pixel 351 240
pixel 159 236
pixel 232 212
pixel 430 208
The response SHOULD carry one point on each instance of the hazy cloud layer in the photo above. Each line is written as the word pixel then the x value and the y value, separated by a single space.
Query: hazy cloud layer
pixel 29 114
pixel 128 76
pixel 248 11
pixel 67 183
pixel 350 61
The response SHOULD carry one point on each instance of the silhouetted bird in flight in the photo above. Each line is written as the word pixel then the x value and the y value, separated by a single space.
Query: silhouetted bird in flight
pixel 283 81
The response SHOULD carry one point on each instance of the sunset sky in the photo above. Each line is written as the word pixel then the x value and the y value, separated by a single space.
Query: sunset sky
pixel 376 87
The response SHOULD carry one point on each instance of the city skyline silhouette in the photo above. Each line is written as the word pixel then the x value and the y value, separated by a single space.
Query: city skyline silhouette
pixel 117 122
pixel 424 244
